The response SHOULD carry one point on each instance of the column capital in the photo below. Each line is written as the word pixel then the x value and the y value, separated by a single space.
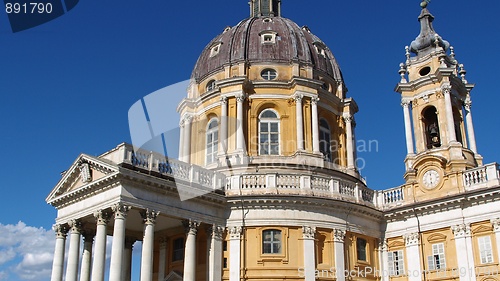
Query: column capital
pixel 223 100
pixel 163 242
pixel 411 239
pixel 308 232
pixel 61 230
pixel 405 102
pixel 461 230
pixel 338 235
pixel 187 118
pixel 120 210
pixel 382 245
pixel 496 224
pixel 191 226
pixel 348 118
pixel 149 216
pixel 240 97
pixel 216 231
pixel 298 97
pixel 76 226
pixel 235 232
pixel 102 217
pixel 467 104
pixel 314 100
pixel 446 89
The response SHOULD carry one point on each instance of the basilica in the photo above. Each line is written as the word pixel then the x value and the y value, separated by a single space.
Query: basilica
pixel 266 187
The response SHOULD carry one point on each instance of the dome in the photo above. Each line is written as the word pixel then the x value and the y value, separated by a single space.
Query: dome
pixel 274 40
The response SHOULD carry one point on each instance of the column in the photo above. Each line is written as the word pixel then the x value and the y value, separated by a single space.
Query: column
pixel 299 121
pixel 149 219
pixel 74 250
pixel 235 252
pixel 349 141
pixel 408 131
pixel 384 260
pixel 496 229
pixel 463 247
pixel 88 241
pixel 127 258
pixel 412 242
pixel 58 263
pixel 223 126
pixel 338 246
pixel 181 140
pixel 308 233
pixel 116 264
pixel 470 126
pixel 162 263
pixel 102 218
pixel 315 124
pixel 240 136
pixel 452 137
pixel 186 141
pixel 190 250
pixel 215 253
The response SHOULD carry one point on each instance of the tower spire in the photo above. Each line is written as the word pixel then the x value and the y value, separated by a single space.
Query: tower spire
pixel 428 38
pixel 265 8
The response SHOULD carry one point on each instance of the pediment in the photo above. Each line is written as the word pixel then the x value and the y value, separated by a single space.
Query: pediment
pixel 482 229
pixel 437 237
pixel 396 244
pixel 84 171
pixel 173 276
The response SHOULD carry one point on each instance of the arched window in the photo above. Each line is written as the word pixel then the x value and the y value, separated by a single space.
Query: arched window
pixel 431 127
pixel 271 241
pixel 212 141
pixel 269 133
pixel 325 139
pixel 210 85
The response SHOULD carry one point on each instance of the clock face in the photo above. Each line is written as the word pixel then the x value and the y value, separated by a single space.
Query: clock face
pixel 431 179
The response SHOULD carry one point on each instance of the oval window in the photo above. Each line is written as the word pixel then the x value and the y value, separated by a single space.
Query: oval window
pixel 269 74
pixel 424 71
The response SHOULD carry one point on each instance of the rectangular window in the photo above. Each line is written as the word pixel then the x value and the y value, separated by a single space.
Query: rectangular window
pixel 396 263
pixel 271 241
pixel 178 249
pixel 361 249
pixel 485 251
pixel 225 263
pixel 437 259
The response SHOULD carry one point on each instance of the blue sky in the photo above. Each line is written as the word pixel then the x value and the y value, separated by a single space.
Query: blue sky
pixel 67 86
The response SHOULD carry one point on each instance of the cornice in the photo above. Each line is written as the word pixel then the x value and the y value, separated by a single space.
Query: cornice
pixel 263 202
pixel 434 206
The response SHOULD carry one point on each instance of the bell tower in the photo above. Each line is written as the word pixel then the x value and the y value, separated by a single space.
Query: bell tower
pixel 435 97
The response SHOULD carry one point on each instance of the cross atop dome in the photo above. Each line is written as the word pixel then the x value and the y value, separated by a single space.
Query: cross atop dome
pixel 265 8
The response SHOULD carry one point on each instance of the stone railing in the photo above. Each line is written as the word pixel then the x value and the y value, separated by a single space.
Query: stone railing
pixel 285 184
pixel 295 184
pixel 390 197
pixel 158 163
pixel 484 176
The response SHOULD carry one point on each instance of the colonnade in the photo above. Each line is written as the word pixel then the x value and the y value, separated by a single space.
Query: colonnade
pixel 186 122
pixel 450 124
pixel 94 250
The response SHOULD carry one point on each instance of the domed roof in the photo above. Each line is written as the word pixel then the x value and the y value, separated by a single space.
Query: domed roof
pixel 288 43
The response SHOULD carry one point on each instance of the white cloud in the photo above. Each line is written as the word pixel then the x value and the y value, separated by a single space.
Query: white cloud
pixel 26 251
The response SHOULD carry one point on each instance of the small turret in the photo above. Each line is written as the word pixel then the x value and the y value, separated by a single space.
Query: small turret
pixel 265 8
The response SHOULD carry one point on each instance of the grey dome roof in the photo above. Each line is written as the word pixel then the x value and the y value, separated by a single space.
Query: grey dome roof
pixel 242 43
